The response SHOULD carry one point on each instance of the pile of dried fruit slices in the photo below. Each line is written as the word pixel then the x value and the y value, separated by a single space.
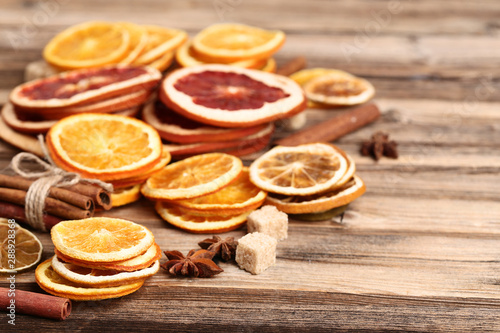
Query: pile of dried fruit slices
pixel 312 181
pixel 98 258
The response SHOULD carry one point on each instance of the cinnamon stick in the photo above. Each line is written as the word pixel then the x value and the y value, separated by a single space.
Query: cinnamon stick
pixel 294 65
pixel 335 127
pixel 18 213
pixel 73 198
pixel 52 206
pixel 15 301
pixel 99 195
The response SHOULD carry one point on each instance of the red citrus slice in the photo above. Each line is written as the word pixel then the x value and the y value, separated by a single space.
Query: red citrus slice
pixel 175 128
pixel 22 141
pixel 83 86
pixel 24 123
pixel 228 96
pixel 205 147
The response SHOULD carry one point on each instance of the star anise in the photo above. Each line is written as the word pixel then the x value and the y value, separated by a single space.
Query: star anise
pixel 379 145
pixel 197 263
pixel 224 248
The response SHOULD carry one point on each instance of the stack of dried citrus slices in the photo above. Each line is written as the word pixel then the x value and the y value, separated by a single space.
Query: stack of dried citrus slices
pixel 120 150
pixel 327 88
pixel 36 106
pixel 312 181
pixel 223 108
pixel 94 44
pixel 98 258
pixel 234 44
pixel 205 193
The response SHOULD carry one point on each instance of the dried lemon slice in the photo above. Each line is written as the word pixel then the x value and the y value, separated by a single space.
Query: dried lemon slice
pixel 20 248
pixel 91 277
pixel 101 239
pixel 301 170
pixel 56 285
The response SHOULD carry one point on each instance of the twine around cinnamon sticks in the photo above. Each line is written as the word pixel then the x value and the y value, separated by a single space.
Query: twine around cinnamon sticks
pixel 43 198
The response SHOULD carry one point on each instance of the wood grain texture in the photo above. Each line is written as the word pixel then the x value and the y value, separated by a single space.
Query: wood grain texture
pixel 418 252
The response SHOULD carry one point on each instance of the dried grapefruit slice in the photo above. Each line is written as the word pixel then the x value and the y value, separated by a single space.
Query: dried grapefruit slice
pixel 125 195
pixel 98 278
pixel 340 196
pixel 186 57
pixel 140 262
pixel 193 177
pixel 104 146
pixel 101 239
pixel 22 141
pixel 160 41
pixel 229 96
pixel 238 197
pixel 301 170
pixel 263 135
pixel 20 249
pixel 23 123
pixel 227 42
pixel 90 44
pixel 197 223
pixel 175 128
pixel 336 89
pixel 138 41
pixel 83 86
pixel 56 285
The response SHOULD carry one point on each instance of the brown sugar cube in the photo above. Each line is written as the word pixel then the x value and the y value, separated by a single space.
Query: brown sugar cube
pixel 270 221
pixel 256 252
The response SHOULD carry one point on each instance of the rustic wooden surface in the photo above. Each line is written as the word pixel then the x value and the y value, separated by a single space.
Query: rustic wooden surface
pixel 420 251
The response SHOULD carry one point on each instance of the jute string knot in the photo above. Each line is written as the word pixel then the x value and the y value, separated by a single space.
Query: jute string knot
pixel 28 165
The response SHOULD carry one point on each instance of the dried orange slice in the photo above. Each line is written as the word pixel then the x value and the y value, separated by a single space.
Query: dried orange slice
pixel 160 41
pixel 104 146
pixel 90 44
pixel 227 42
pixel 140 262
pixel 101 239
pixel 186 57
pixel 340 196
pixel 131 181
pixel 193 177
pixel 228 96
pixel 20 249
pixel 22 141
pixel 270 66
pixel 98 278
pixel 238 197
pixel 56 285
pixel 163 62
pixel 124 196
pixel 138 41
pixel 197 223
pixel 301 170
pixel 337 89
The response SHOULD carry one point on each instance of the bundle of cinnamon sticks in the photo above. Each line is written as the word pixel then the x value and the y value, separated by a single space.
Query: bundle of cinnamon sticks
pixel 74 202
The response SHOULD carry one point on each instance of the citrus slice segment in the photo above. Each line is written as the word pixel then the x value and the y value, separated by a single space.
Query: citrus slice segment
pixel 140 262
pixel 138 41
pixel 315 203
pixel 270 66
pixel 160 41
pixel 263 135
pixel 56 285
pixel 301 170
pixel 182 219
pixel 124 196
pixel 175 128
pixel 23 123
pixel 163 62
pixel 19 140
pixel 186 57
pixel 20 249
pixel 90 44
pixel 83 86
pixel 228 96
pixel 101 239
pixel 104 146
pixel 91 277
pixel 238 197
pixel 320 216
pixel 193 177
pixel 229 42
pixel 336 89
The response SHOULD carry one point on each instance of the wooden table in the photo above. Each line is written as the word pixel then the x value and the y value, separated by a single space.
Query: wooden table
pixel 420 251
